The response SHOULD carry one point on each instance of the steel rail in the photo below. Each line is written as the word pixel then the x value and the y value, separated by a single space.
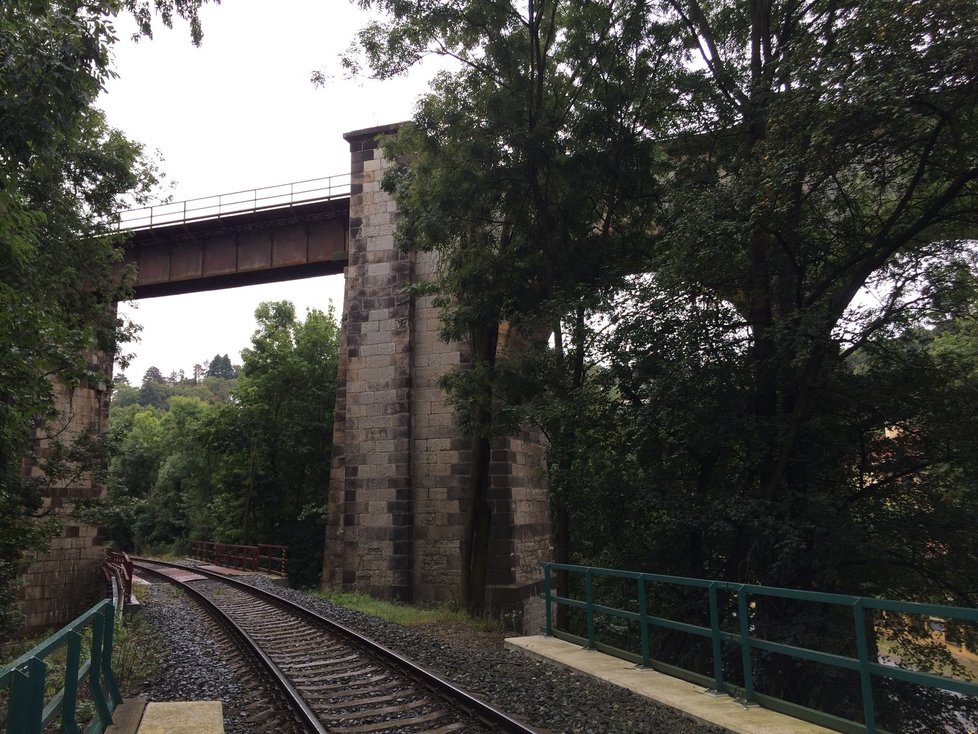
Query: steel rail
pixel 488 714
pixel 306 716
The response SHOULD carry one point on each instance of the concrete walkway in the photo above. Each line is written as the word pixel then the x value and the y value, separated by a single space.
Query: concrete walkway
pixel 136 716
pixel 694 700
pixel 183 717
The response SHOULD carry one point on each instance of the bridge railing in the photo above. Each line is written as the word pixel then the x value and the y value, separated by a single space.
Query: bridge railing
pixel 236 202
pixel 732 611
pixel 118 572
pixel 262 557
pixel 32 704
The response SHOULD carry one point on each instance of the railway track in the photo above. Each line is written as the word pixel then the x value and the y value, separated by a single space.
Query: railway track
pixel 332 678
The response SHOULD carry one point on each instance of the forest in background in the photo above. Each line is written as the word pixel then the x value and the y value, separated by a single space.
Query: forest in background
pixel 229 454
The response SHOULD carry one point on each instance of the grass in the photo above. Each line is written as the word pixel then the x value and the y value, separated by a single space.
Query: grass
pixel 962 657
pixel 17 647
pixel 408 615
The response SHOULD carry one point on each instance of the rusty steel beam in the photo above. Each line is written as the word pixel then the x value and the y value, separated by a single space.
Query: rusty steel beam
pixel 297 241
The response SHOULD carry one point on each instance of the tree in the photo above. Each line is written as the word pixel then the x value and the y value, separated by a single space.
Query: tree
pixel 249 467
pixel 183 478
pixel 809 151
pixel 529 209
pixel 838 152
pixel 221 367
pixel 61 169
pixel 287 395
pixel 123 393
pixel 63 172
pixel 154 390
pixel 822 181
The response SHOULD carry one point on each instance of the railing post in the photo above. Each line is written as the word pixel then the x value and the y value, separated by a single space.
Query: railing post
pixel 547 601
pixel 19 705
pixel 73 657
pixel 743 614
pixel 865 679
pixel 715 638
pixel 589 597
pixel 37 675
pixel 95 673
pixel 643 622
pixel 115 696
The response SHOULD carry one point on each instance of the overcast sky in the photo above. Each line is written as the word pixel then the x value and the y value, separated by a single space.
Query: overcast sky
pixel 240 113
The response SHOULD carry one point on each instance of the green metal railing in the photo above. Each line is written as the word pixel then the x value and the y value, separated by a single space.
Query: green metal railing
pixel 747 597
pixel 29 709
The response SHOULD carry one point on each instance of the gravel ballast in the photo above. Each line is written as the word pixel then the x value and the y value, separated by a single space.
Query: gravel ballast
pixel 543 695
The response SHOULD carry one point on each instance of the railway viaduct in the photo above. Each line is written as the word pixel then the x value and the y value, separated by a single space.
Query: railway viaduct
pixel 397 494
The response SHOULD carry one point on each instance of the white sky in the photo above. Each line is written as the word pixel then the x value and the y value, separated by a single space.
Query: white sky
pixel 240 113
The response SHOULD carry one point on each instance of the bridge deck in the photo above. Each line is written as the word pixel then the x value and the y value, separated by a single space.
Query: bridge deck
pixel 245 248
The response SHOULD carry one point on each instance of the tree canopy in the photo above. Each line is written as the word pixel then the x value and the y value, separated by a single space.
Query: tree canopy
pixel 742 223
pixel 240 460
pixel 63 173
pixel 220 366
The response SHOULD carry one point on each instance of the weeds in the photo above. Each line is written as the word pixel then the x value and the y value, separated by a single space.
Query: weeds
pixel 406 614
pixel 135 658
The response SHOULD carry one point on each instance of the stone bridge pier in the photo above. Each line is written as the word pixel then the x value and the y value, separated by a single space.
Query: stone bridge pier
pixel 397 495
pixel 61 582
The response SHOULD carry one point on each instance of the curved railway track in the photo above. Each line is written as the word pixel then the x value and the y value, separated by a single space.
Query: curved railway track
pixel 334 679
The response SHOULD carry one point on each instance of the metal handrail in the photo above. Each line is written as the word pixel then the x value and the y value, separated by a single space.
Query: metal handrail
pixel 747 595
pixel 261 557
pixel 25 679
pixel 236 202
pixel 118 571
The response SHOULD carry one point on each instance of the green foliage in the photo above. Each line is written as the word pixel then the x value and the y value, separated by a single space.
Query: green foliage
pixel 123 393
pixel 740 413
pixel 63 174
pixel 242 460
pixel 135 653
pixel 532 177
pixel 221 366
pixel 287 400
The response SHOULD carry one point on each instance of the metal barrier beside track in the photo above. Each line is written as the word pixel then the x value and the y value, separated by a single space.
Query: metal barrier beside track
pixel 30 708
pixel 748 639
pixel 117 570
pixel 262 557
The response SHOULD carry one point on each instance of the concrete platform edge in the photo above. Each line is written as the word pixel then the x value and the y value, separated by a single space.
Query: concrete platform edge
pixel 183 717
pixel 692 700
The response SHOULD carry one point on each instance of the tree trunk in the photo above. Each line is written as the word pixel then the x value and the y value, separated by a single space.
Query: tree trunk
pixel 560 499
pixel 474 547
